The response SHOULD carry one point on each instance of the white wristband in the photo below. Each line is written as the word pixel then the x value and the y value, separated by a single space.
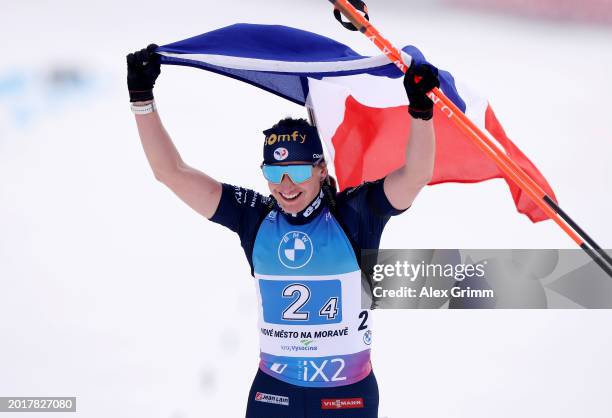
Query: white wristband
pixel 143 109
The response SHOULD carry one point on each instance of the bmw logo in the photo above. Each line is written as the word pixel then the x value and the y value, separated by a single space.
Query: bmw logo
pixel 367 337
pixel 295 250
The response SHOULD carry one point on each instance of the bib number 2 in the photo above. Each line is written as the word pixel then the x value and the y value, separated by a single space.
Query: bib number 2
pixel 291 313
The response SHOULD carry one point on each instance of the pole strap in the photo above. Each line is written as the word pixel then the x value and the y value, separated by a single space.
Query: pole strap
pixel 357 4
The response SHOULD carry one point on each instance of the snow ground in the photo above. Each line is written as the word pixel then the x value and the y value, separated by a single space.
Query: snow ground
pixel 113 291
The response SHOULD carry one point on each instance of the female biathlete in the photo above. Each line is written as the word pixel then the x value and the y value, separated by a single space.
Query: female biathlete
pixel 303 244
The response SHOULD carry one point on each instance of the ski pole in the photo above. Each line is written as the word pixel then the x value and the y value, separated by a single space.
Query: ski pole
pixel 480 139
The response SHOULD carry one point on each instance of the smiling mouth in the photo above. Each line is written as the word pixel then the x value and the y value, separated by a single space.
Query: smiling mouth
pixel 290 197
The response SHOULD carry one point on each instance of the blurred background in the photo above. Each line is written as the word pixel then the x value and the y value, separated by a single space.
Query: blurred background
pixel 114 291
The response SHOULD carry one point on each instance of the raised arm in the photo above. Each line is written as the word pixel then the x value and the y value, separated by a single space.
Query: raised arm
pixel 404 184
pixel 200 191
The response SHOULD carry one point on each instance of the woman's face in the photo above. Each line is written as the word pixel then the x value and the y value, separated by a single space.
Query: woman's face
pixel 294 197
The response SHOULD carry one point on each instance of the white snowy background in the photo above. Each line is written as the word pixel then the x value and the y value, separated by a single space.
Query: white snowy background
pixel 114 291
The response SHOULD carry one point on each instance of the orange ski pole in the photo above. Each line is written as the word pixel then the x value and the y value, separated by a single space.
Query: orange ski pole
pixel 482 141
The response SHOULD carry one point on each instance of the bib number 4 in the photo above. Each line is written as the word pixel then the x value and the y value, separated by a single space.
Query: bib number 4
pixel 330 309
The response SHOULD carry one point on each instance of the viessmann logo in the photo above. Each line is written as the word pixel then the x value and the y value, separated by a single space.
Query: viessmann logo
pixel 342 403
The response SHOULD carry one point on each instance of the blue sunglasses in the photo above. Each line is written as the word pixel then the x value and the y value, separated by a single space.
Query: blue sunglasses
pixel 298 173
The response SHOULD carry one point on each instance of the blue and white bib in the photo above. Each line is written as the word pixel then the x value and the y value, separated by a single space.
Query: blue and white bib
pixel 313 331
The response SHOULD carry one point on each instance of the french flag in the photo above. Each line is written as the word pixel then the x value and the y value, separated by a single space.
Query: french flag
pixel 358 103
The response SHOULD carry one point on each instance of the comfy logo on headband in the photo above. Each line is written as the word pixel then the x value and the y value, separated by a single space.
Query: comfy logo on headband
pixel 278 138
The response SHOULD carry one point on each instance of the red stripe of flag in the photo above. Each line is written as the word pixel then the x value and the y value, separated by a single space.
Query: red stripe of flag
pixel 370 143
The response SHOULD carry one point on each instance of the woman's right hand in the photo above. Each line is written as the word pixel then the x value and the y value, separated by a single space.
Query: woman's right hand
pixel 143 68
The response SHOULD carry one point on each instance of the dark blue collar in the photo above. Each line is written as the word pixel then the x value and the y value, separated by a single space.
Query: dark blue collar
pixel 309 213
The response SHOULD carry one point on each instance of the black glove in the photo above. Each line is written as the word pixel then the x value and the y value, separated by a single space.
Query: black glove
pixel 143 68
pixel 421 106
